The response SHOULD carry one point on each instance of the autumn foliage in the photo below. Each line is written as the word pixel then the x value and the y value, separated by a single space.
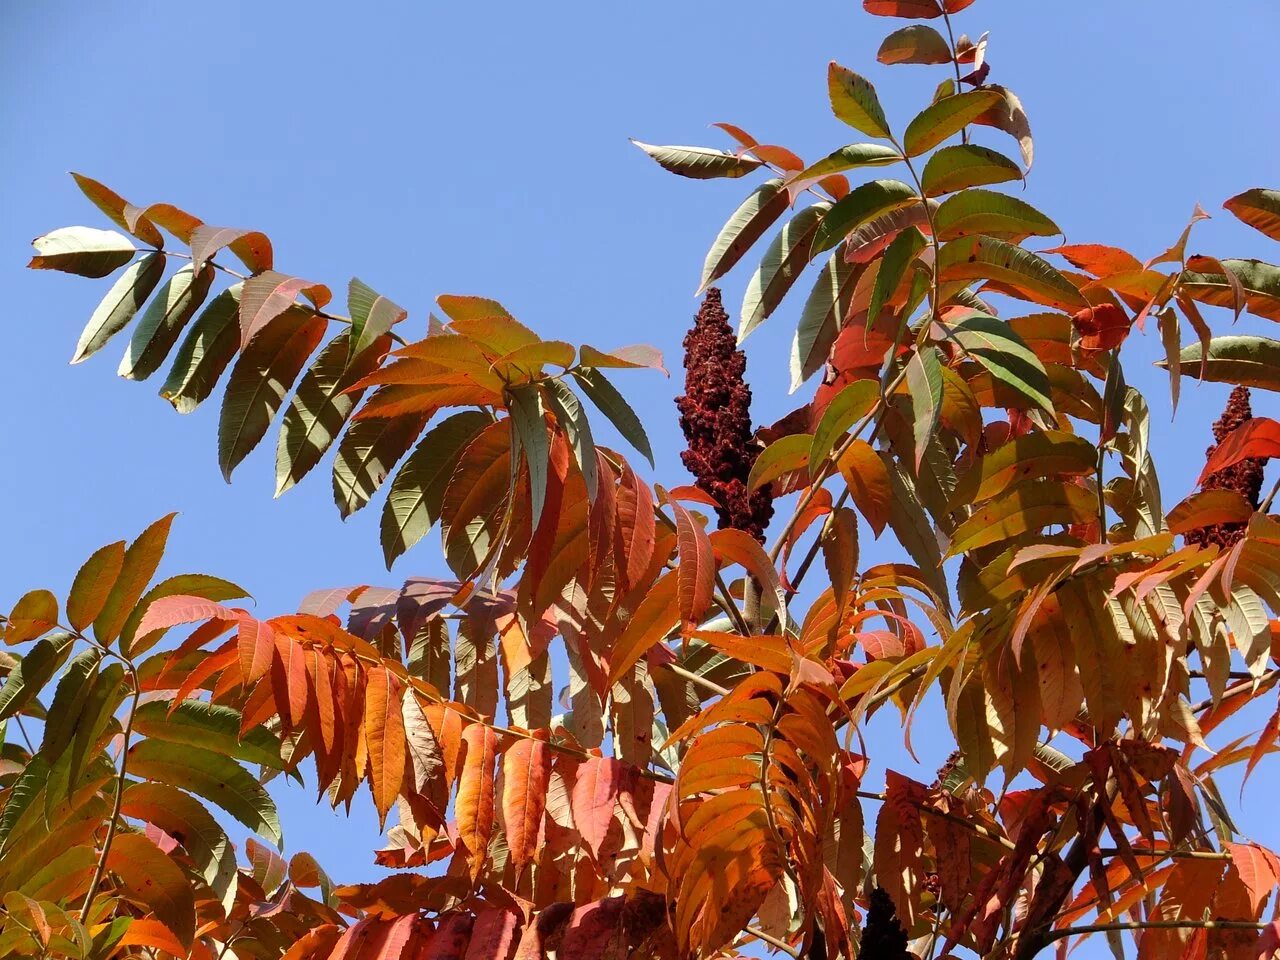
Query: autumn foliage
pixel 632 719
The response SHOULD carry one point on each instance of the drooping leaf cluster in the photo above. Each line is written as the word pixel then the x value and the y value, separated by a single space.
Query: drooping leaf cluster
pixel 615 731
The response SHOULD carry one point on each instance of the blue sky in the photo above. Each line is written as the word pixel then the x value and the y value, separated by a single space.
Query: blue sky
pixel 482 148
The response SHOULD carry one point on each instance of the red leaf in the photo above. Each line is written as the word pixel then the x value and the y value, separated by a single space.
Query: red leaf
pixel 595 794
pixel 168 612
pixel 1259 869
pixel 1255 439
pixel 493 935
pixel 908 9
pixel 253 248
pixel 270 294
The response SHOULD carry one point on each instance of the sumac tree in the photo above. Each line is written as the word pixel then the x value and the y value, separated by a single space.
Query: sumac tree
pixel 698 787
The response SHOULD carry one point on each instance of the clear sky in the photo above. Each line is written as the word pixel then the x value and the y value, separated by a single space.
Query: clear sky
pixel 482 148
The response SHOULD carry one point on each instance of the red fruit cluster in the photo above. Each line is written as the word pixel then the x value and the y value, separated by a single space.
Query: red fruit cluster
pixel 882 935
pixel 1244 477
pixel 715 415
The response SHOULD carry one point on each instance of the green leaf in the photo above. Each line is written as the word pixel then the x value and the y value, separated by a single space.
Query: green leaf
pixel 699 163
pixel 850 157
pixel 103 699
pixel 93 583
pixel 1258 208
pixel 785 259
pixel 84 251
pixel 206 351
pixel 613 405
pixel 366 456
pixel 215 777
pixel 821 318
pixel 995 214
pixel 1248 361
pixel 917 43
pixel 414 500
pixel 1261 283
pixel 781 457
pixel 1032 277
pixel 372 316
pixel 260 379
pixel 1045 453
pixel 210 726
pixel 898 257
pixel 531 434
pixel 572 419
pixel 945 118
pixel 912 528
pixel 27 679
pixel 845 409
pixel 966 165
pixel 1171 340
pixel 118 307
pixel 163 320
pixel 854 101
pixel 320 408
pixel 993 343
pixel 1025 507
pixel 754 216
pixel 139 566
pixel 863 203
pixel 24 791
pixel 924 385
pixel 68 701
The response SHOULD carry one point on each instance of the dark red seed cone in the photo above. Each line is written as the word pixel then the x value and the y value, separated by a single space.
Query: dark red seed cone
pixel 1245 477
pixel 715 415
pixel 882 935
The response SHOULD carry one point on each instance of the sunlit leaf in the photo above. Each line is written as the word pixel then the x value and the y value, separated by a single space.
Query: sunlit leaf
pixel 158 329
pixel 205 352
pixel 120 305
pixel 700 163
pixel 82 250
pixel 854 101
pixel 762 207
pixel 945 118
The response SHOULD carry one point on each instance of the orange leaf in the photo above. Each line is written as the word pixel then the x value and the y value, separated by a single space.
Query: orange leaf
pixel 635 533
pixel 289 680
pixel 150 878
pixel 146 932
pixel 384 737
pixel 526 769
pixel 256 645
pixel 652 621
pixel 697 570
pixel 474 804
pixel 316 944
